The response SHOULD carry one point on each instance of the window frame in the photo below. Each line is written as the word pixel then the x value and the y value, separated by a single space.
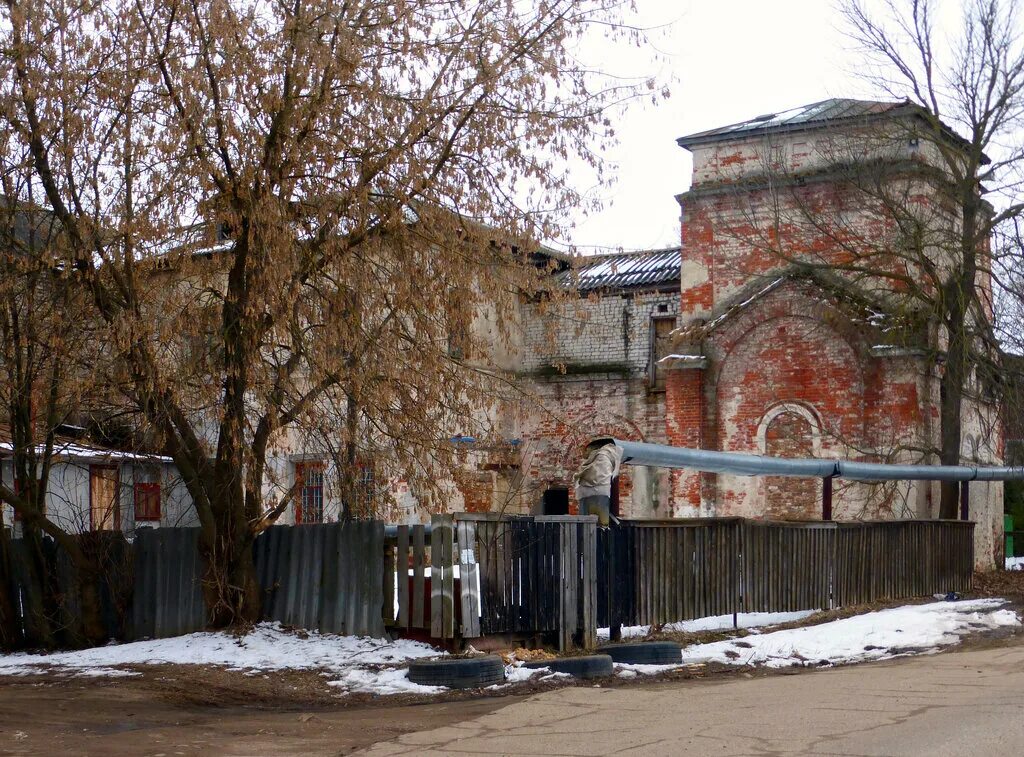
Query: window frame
pixel 150 487
pixel 302 486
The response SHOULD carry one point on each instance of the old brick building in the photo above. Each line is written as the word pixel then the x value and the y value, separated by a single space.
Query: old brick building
pixel 591 368
pixel 768 355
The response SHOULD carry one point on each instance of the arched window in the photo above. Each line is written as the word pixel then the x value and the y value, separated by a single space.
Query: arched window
pixel 790 430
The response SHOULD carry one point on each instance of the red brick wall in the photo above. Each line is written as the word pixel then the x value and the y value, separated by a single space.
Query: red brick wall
pixel 684 423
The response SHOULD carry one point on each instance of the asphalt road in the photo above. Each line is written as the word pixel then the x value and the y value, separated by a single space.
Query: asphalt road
pixel 962 703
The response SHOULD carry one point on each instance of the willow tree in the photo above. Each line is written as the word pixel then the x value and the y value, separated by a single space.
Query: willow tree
pixel 357 179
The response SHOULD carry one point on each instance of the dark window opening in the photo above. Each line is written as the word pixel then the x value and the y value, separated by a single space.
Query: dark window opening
pixel 555 502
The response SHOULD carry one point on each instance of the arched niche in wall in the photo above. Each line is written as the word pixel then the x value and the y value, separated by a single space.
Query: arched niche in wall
pixel 790 430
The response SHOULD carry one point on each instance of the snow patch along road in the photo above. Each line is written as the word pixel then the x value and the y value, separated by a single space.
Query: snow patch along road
pixel 716 623
pixel 360 663
pixel 881 635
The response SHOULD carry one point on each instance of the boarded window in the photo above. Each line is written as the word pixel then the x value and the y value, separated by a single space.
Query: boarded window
pixel 661 345
pixel 147 501
pixel 789 498
pixel 104 508
pixel 309 501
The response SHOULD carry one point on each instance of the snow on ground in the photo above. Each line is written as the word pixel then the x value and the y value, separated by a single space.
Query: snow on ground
pixel 716 623
pixel 624 670
pixel 1015 563
pixel 362 664
pixel 873 636
pixel 359 664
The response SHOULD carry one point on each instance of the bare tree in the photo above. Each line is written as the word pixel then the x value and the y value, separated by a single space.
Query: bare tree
pixel 903 202
pixel 365 174
pixel 974 86
pixel 41 388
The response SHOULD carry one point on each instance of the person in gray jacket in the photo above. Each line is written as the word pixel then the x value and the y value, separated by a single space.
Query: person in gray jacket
pixel 593 480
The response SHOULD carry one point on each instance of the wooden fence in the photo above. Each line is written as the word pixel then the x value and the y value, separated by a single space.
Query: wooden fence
pixel 479 574
pixel 655 572
pixel 44 589
pixel 491 574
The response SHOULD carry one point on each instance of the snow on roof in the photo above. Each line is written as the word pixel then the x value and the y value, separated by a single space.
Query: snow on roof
pixel 803 116
pixel 625 270
pixel 79 451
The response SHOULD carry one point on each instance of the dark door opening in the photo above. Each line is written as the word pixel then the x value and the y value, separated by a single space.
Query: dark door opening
pixel 555 502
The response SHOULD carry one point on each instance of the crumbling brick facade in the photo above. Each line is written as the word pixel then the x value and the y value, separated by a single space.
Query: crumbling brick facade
pixel 768 355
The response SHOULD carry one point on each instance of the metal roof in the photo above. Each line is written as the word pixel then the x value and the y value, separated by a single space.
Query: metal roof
pixel 834 109
pixel 626 270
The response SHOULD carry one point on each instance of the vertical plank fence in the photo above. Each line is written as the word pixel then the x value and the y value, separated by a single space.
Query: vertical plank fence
pixel 657 572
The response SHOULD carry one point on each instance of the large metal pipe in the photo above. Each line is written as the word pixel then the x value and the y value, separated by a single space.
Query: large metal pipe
pixel 664 456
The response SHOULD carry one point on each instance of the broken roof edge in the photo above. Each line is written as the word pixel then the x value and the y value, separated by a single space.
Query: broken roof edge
pixel 655 269
pixel 744 464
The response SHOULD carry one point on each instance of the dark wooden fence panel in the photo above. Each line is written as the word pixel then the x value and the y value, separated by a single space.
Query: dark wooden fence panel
pixel 45 589
pixel 787 566
pixel 655 572
pixel 537 574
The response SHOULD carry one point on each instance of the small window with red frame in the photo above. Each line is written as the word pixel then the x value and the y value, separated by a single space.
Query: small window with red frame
pixel 147 500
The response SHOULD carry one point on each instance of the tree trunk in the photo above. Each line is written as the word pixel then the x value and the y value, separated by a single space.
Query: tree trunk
pixel 230 587
pixel 9 638
pixel 951 409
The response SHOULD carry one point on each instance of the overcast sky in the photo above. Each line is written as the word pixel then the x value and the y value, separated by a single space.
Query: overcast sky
pixel 731 60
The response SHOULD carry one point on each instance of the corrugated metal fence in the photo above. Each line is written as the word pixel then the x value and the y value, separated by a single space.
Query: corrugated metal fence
pixel 326 577
pixel 655 572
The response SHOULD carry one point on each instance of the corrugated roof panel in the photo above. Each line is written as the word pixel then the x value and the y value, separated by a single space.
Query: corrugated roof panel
pixel 626 270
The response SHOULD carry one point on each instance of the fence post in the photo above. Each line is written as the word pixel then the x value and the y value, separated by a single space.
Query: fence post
pixel 442 593
pixel 965 500
pixel 614 613
pixel 826 498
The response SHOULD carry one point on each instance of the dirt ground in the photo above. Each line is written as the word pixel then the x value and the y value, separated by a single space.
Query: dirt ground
pixel 185 710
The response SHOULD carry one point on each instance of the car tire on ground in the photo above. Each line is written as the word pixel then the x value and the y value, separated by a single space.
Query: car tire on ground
pixel 645 653
pixel 458 673
pixel 590 666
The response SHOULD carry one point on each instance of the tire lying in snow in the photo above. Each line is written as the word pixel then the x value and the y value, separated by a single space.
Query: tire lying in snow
pixel 458 673
pixel 590 666
pixel 645 653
